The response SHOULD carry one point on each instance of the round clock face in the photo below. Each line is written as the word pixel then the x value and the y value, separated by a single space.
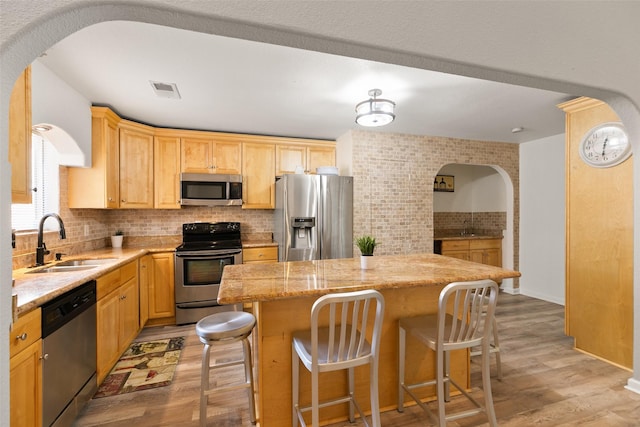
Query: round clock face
pixel 605 145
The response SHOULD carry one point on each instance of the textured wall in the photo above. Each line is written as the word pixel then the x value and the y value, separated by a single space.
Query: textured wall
pixel 393 184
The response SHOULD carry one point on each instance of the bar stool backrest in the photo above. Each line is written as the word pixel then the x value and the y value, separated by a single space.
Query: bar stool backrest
pixel 345 340
pixel 465 313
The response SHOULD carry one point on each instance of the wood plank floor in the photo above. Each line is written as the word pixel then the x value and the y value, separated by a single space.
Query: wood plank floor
pixel 545 383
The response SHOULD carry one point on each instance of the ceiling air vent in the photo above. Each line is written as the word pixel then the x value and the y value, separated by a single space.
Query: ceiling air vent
pixel 165 90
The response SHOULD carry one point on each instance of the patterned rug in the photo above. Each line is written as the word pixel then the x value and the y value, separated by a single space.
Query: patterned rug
pixel 143 366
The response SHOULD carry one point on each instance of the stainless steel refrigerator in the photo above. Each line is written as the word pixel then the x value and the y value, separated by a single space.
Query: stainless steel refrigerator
pixel 314 217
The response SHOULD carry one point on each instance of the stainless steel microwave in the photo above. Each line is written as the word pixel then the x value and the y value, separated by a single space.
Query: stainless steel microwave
pixel 203 189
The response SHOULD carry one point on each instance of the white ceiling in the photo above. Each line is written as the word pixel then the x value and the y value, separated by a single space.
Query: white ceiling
pixel 234 85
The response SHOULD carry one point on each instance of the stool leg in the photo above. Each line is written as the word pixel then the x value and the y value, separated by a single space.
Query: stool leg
pixel 401 354
pixel 352 412
pixel 248 376
pixel 496 345
pixel 204 384
pixel 295 372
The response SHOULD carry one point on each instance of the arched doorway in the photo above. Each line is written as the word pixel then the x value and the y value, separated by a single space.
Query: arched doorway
pixel 481 204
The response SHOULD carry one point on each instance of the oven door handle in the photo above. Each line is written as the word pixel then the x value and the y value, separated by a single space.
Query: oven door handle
pixel 201 304
pixel 207 257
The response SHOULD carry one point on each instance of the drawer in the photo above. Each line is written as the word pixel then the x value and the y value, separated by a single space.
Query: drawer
pixel 455 245
pixel 105 284
pixel 485 244
pixel 25 331
pixel 128 271
pixel 267 253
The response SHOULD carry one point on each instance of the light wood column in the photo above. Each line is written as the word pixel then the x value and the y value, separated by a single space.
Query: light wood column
pixel 599 243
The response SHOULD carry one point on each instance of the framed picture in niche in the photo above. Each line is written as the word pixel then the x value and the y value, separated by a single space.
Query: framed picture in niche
pixel 444 183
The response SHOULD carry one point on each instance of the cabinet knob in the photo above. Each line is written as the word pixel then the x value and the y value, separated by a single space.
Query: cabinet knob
pixel 45 356
pixel 123 297
pixel 123 201
pixel 22 336
pixel 111 199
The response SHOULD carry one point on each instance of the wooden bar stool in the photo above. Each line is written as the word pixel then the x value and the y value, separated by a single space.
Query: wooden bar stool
pixel 223 328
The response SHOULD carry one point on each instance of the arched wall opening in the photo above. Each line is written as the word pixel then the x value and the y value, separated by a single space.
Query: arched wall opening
pixel 482 204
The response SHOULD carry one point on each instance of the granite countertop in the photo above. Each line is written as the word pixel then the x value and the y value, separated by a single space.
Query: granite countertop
pixel 264 282
pixel 258 243
pixel 458 234
pixel 35 289
pixel 468 237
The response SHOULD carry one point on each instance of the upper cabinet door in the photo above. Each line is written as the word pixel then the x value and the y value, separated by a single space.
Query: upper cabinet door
pixel 99 185
pixel 166 172
pixel 320 156
pixel 200 155
pixel 288 157
pixel 20 138
pixel 136 169
pixel 258 180
pixel 196 155
pixel 227 157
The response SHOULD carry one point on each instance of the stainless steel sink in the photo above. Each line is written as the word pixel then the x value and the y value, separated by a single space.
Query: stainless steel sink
pixel 82 262
pixel 63 269
pixel 74 265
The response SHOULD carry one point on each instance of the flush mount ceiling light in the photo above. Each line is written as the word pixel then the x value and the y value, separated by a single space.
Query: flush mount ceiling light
pixel 41 128
pixel 374 111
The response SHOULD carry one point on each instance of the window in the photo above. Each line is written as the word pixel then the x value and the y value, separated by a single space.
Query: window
pixel 45 178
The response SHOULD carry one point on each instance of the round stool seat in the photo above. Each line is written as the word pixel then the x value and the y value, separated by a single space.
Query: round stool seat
pixel 225 325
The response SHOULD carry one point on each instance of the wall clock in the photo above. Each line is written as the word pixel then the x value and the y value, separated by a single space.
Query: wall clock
pixel 605 145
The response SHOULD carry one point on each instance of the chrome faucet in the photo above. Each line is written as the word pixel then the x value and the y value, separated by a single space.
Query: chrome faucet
pixel 41 250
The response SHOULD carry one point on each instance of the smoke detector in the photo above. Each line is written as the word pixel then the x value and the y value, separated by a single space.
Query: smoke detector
pixel 165 90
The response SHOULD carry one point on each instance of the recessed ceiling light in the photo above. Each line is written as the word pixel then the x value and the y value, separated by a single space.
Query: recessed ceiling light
pixel 165 90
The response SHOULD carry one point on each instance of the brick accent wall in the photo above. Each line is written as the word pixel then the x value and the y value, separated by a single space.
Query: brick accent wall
pixel 393 184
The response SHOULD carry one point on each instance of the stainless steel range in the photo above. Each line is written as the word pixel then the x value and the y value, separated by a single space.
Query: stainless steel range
pixel 199 261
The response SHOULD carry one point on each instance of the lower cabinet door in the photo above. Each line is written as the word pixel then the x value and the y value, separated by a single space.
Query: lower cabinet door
pixel 26 386
pixel 107 333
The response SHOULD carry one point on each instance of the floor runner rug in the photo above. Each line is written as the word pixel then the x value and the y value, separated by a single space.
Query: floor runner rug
pixel 143 366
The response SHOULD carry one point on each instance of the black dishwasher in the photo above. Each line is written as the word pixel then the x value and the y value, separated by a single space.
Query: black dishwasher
pixel 69 349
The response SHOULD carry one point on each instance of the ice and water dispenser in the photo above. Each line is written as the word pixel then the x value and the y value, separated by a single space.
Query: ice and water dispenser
pixel 303 232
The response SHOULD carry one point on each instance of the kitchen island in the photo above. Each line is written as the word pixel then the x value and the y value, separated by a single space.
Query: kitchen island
pixel 282 294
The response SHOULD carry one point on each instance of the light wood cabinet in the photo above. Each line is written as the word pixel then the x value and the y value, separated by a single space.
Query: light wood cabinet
pixel 98 186
pixel 157 281
pixel 599 309
pixel 258 179
pixel 320 156
pixel 166 172
pixel 263 254
pixel 210 155
pixel 121 172
pixel 117 315
pixel 288 157
pixel 486 251
pixel 456 249
pixel 136 167
pixel 483 251
pixel 20 138
pixel 25 370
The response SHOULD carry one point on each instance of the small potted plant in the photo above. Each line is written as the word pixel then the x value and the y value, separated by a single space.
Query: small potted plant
pixel 116 239
pixel 367 245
